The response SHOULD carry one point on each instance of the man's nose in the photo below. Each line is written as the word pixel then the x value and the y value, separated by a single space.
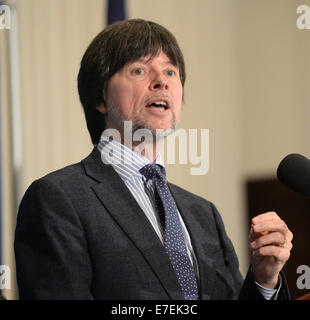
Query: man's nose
pixel 160 83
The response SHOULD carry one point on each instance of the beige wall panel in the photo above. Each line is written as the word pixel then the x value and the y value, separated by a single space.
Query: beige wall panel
pixel 54 34
pixel 274 79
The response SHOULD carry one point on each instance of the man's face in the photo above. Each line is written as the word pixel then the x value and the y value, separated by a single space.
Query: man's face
pixel 147 92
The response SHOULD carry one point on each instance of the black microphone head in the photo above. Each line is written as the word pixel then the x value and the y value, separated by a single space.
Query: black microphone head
pixel 294 172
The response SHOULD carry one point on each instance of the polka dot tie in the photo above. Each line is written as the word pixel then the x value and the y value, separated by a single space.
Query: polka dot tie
pixel 174 237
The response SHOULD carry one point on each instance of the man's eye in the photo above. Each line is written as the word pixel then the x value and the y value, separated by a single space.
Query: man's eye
pixel 170 73
pixel 138 71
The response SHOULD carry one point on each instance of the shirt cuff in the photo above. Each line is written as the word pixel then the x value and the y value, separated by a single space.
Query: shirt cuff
pixel 270 294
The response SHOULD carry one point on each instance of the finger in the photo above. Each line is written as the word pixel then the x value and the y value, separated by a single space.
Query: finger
pixel 264 216
pixel 271 225
pixel 279 253
pixel 274 238
pixel 254 235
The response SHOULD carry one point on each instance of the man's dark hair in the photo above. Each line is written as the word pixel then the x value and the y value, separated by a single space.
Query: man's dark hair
pixel 117 45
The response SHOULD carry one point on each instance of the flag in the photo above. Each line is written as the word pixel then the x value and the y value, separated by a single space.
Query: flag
pixel 116 10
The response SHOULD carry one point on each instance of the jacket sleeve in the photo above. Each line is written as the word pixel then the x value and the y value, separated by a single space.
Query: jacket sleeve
pixel 233 277
pixel 52 260
pixel 249 290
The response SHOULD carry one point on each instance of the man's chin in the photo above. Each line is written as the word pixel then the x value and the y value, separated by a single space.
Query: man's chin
pixel 152 132
pixel 162 133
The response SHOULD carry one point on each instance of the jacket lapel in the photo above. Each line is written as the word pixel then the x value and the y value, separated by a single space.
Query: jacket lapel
pixel 119 202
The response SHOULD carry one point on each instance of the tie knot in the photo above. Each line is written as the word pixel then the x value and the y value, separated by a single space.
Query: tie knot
pixel 153 170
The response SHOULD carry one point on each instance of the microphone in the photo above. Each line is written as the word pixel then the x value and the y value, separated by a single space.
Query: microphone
pixel 294 172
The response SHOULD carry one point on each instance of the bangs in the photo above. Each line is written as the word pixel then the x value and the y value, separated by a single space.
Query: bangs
pixel 140 39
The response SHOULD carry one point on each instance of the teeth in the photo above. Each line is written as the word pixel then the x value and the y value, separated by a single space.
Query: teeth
pixel 162 103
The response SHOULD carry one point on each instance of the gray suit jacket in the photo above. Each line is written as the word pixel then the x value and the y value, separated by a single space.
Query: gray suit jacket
pixel 80 234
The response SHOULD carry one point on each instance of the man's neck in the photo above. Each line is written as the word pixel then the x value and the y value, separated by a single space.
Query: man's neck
pixel 148 144
pixel 150 151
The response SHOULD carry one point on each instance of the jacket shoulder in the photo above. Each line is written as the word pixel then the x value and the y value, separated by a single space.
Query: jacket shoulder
pixel 70 175
pixel 60 177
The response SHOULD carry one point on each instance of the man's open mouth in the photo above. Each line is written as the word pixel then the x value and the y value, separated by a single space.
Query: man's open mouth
pixel 160 105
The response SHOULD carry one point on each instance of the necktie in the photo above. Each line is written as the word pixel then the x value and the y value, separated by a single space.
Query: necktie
pixel 174 237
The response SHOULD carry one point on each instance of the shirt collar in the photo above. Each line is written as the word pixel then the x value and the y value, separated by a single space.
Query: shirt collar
pixel 125 161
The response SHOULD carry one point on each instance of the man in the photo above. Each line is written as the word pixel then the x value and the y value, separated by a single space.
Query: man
pixel 106 229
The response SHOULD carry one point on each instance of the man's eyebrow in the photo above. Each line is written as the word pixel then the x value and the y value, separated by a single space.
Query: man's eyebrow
pixel 148 60
pixel 170 62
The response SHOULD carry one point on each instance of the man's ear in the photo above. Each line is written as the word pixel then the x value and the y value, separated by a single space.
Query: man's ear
pixel 102 108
